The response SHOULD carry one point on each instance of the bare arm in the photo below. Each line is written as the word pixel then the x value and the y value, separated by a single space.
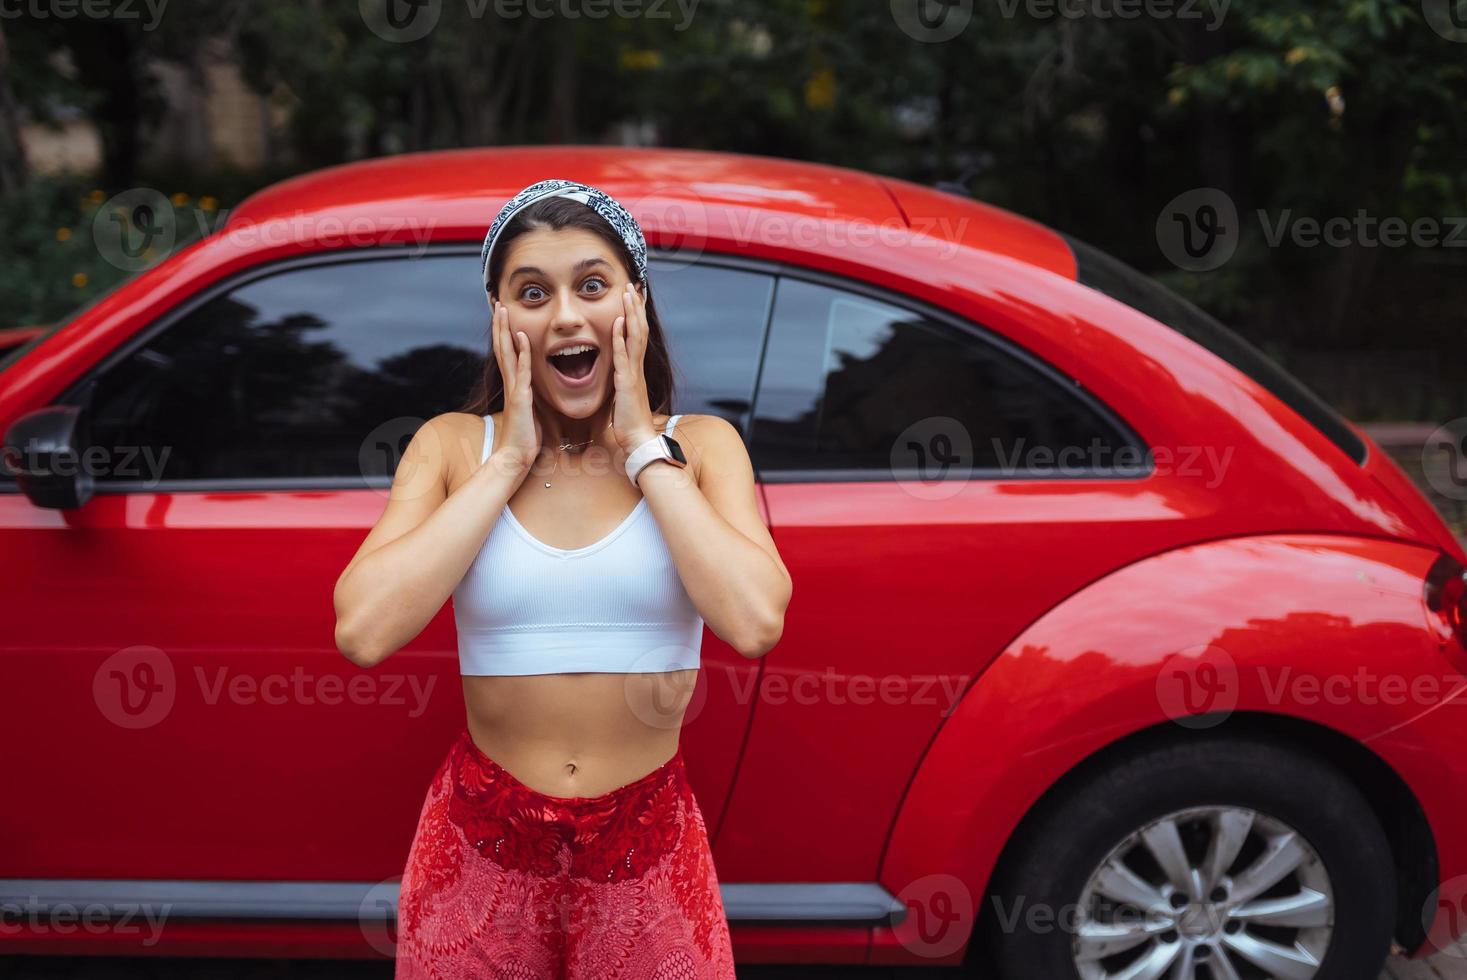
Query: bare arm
pixel 723 552
pixel 420 548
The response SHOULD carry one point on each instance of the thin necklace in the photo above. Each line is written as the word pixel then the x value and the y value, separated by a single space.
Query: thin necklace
pixel 565 446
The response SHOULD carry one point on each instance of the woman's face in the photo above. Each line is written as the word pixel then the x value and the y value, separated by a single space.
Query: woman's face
pixel 564 287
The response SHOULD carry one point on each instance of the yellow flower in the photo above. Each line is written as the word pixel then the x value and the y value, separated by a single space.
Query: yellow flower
pixel 1176 96
pixel 1297 55
pixel 208 203
pixel 97 197
pixel 820 89
pixel 179 199
pixel 63 234
pixel 640 60
pixel 78 279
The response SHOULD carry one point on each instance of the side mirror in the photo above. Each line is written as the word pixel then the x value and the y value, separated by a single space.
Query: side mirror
pixel 43 450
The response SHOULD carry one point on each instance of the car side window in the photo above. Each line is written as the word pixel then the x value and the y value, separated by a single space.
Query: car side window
pixel 293 374
pixel 714 317
pixel 855 384
pixel 321 373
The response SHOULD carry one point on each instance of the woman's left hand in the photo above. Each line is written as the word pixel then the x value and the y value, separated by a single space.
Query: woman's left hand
pixel 632 410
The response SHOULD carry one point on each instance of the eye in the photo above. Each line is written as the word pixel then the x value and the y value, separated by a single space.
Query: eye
pixel 599 281
pixel 524 293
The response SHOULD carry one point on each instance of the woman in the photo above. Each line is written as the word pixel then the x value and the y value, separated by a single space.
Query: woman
pixel 584 548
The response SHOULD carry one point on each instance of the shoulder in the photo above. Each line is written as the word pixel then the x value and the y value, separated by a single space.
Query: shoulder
pixel 711 443
pixel 455 438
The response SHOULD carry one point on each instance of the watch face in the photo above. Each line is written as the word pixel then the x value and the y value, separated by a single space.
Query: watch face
pixel 675 449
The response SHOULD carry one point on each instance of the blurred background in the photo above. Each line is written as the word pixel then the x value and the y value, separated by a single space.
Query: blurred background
pixel 1093 116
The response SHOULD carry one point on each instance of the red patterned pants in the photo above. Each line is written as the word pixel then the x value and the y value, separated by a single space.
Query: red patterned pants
pixel 506 882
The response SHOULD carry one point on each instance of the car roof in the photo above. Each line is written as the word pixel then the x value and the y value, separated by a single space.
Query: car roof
pixel 459 191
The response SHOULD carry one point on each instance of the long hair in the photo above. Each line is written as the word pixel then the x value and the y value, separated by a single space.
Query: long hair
pixel 557 213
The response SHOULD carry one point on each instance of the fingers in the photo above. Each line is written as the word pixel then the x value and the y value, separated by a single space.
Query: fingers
pixel 618 347
pixel 636 324
pixel 523 367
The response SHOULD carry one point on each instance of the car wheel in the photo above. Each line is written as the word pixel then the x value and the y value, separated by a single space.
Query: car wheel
pixel 1218 858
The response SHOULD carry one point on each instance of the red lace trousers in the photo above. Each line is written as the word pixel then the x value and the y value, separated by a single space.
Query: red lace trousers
pixel 506 882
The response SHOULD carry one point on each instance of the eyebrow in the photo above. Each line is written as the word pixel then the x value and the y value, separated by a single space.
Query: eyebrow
pixel 578 268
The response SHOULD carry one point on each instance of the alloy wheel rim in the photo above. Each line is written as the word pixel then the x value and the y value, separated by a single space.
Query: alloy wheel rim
pixel 1206 893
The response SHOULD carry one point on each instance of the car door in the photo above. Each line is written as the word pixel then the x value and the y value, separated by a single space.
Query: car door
pixel 172 641
pixel 909 462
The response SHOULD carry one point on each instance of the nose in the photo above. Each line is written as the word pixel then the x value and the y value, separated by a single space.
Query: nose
pixel 567 316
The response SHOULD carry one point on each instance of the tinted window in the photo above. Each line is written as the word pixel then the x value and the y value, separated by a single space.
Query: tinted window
pixel 715 319
pixel 853 383
pixel 294 375
pixel 1107 274
pixel 287 375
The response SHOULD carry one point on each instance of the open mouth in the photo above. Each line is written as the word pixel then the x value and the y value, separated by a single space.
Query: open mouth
pixel 576 363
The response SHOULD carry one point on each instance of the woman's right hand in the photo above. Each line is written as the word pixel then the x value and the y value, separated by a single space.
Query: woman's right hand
pixel 517 437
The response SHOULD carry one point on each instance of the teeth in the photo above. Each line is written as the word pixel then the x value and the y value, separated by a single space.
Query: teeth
pixel 579 348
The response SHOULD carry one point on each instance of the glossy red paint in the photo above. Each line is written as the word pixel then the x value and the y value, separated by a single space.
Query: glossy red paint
pixel 944 662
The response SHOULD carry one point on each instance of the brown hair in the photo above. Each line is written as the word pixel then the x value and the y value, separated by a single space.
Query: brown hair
pixel 555 213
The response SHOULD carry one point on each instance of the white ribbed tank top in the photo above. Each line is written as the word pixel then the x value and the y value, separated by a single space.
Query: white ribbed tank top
pixel 617 605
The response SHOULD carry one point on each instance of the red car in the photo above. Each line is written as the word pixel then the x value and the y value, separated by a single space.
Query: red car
pixel 1114 650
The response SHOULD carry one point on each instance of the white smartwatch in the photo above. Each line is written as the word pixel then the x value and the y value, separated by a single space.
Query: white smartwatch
pixel 660 447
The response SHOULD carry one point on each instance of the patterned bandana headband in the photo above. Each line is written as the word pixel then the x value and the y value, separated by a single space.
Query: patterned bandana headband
pixel 602 203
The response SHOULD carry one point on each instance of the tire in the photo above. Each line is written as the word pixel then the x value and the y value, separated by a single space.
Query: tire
pixel 1050 887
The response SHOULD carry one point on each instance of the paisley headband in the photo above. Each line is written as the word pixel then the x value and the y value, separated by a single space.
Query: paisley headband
pixel 602 203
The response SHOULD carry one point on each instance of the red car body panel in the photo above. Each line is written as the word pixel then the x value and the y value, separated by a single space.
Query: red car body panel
pixel 943 662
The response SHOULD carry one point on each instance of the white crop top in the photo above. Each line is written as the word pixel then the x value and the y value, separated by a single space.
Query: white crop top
pixel 617 605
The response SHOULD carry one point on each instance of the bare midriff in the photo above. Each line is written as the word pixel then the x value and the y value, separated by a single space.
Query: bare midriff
pixel 579 734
